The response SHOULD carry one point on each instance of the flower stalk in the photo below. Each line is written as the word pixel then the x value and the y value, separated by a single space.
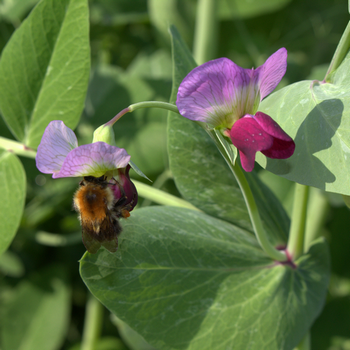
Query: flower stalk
pixel 147 104
pixel 339 54
pixel 205 36
pixel 296 240
pixel 253 211
pixel 92 324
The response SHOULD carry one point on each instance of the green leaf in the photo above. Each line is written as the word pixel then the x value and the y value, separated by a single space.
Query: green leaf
pixel 37 314
pixel 317 116
pixel 134 340
pixel 180 13
pixel 248 8
pixel 14 10
pixel 201 173
pixel 13 192
pixel 184 280
pixel 44 69
pixel 11 265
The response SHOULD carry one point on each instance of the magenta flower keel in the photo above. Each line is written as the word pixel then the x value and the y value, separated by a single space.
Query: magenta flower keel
pixel 226 96
pixel 261 133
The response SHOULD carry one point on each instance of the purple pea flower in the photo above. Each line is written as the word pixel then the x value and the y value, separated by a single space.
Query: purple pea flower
pixel 226 96
pixel 58 154
pixel 106 192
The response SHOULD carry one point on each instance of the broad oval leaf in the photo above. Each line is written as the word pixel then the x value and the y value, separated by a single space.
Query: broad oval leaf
pixel 317 116
pixel 44 69
pixel 184 280
pixel 13 192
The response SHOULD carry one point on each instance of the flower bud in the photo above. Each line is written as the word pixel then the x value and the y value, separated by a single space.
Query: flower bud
pixel 104 133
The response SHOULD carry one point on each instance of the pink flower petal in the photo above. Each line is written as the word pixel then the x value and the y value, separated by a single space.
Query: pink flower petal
pixel 57 141
pixel 218 92
pixel 272 71
pixel 283 145
pixel 260 133
pixel 94 159
pixel 247 135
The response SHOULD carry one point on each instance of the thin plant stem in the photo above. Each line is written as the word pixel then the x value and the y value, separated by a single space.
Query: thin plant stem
pixel 339 54
pixel 254 215
pixel 205 35
pixel 296 240
pixel 317 209
pixel 161 180
pixel 161 197
pixel 17 148
pixel 147 104
pixel 92 323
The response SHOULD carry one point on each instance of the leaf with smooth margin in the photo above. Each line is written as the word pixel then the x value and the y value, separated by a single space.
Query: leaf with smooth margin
pixel 202 175
pixel 37 314
pixel 14 10
pixel 13 193
pixel 185 280
pixel 44 69
pixel 317 117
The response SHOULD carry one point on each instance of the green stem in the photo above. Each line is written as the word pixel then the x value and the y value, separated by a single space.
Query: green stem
pixel 92 323
pixel 147 104
pixel 254 215
pixel 317 209
pixel 205 35
pixel 17 148
pixel 161 197
pixel 297 229
pixel 161 180
pixel 339 54
pixel 56 239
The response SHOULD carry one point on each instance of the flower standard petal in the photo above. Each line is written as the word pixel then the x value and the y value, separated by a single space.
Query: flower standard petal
pixel 218 93
pixel 57 141
pixel 271 72
pixel 94 159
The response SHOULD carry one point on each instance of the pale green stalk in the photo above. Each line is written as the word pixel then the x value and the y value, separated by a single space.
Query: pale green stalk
pixel 16 147
pixel 254 215
pixel 317 209
pixel 296 240
pixel 92 323
pixel 339 54
pixel 161 180
pixel 148 104
pixel 161 197
pixel 205 35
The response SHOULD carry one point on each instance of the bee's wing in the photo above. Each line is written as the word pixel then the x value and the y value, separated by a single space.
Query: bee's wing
pixel 90 242
pixel 112 245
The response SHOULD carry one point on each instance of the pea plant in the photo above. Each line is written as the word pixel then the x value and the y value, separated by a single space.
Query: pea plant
pixel 202 196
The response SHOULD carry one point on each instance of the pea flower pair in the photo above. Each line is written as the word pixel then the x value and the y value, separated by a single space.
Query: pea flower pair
pixel 106 193
pixel 226 96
